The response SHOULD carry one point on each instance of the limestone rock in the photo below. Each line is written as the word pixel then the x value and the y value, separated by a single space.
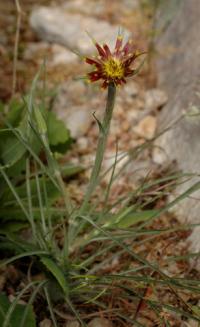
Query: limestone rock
pixel 78 121
pixel 61 55
pixel 70 93
pixel 82 143
pixel 109 162
pixel 85 7
pixel 146 127
pixel 57 54
pixel 58 26
pixel 74 105
pixel 140 169
pixel 179 72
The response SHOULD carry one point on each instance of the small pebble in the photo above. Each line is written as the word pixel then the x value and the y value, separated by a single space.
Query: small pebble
pixel 146 127
pixel 82 143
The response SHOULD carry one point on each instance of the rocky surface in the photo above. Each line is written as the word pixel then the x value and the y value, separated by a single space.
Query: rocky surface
pixel 58 55
pixel 75 104
pixel 61 27
pixel 155 99
pixel 179 75
pixel 75 101
pixel 146 127
pixel 79 6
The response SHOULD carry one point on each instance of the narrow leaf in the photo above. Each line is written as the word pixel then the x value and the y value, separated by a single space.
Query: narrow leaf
pixel 56 272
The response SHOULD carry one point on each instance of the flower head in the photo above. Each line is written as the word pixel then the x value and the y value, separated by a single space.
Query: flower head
pixel 113 67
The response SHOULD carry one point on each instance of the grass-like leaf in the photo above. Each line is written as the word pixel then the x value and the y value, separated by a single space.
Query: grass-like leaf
pixel 56 271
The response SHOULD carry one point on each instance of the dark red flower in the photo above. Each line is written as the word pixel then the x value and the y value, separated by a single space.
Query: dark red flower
pixel 113 67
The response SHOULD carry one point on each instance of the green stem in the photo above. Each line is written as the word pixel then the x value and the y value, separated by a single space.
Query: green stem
pixel 103 135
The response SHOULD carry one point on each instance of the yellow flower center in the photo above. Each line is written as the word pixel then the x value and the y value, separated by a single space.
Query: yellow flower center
pixel 113 68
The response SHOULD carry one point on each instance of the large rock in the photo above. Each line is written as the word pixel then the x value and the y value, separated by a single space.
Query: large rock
pixel 179 75
pixel 85 7
pixel 56 54
pixel 59 26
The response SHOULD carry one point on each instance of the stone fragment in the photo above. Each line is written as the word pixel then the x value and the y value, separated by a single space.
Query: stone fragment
pixel 146 127
pixel 109 163
pixel 57 26
pixel 159 155
pixel 70 93
pixel 82 143
pixel 74 105
pixel 57 54
pixel 155 99
pixel 138 170
pixel 61 55
pixel 100 322
pixel 78 121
